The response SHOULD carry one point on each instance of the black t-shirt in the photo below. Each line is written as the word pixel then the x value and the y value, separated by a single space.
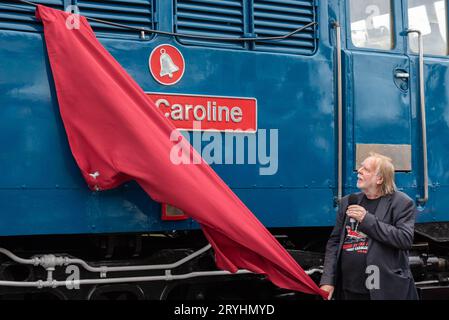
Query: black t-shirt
pixel 353 255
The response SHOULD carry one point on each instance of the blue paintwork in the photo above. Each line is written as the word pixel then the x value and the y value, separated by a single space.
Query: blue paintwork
pixel 42 191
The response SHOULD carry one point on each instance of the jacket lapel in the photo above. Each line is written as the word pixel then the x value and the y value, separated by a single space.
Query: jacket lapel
pixel 383 207
pixel 359 197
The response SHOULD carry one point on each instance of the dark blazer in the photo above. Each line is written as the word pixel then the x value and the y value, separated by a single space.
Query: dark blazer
pixel 390 235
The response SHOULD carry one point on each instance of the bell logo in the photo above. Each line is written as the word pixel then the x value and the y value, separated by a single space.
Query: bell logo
pixel 168 67
pixel 166 64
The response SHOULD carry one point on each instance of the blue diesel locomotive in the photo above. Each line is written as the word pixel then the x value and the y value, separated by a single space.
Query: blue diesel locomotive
pixel 343 78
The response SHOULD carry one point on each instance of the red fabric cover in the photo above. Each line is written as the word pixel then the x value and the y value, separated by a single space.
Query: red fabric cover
pixel 114 129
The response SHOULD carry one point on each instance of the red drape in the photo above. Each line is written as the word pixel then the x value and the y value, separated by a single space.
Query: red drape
pixel 117 134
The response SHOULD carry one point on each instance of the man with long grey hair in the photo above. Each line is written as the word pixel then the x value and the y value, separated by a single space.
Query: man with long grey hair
pixel 367 252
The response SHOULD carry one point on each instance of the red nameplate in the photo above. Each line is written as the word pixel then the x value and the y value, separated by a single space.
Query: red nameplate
pixel 211 113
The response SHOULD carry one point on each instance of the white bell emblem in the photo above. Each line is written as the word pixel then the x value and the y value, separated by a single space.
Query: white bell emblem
pixel 168 67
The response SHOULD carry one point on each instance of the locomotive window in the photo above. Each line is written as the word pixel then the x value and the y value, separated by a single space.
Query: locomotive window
pixel 371 24
pixel 428 16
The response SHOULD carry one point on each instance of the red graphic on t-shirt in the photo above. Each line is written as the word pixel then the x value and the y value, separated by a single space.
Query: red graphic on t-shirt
pixel 355 241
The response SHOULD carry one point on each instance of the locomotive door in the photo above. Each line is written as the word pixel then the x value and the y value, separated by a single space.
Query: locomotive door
pixel 377 92
pixel 430 18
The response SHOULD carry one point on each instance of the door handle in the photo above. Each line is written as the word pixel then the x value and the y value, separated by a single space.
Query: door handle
pixel 401 78
pixel 401 75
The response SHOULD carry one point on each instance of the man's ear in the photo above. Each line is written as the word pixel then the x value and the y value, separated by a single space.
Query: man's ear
pixel 380 180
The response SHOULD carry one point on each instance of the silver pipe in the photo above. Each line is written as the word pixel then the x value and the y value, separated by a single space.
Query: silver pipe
pixel 427 282
pixel 431 281
pixel 17 259
pixel 167 277
pixel 103 269
pixel 312 271
pixel 340 113
pixel 87 266
pixel 163 266
pixel 423 115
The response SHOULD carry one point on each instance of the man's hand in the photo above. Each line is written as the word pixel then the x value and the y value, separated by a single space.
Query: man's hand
pixel 329 289
pixel 357 212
